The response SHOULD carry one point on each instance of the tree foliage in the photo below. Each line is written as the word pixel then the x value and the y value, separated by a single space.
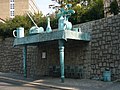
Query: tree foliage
pixel 114 8
pixel 91 10
pixel 94 11
pixel 83 13
pixel 6 29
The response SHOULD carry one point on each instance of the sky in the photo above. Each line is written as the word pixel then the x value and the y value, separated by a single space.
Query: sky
pixel 43 5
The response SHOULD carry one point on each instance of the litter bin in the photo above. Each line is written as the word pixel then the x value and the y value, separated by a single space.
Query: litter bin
pixel 107 75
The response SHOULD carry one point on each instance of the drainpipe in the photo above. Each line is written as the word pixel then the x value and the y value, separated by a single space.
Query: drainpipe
pixel 61 51
pixel 25 60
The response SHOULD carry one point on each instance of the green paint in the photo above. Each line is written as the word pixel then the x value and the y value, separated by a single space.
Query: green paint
pixel 48 29
pixel 64 14
pixel 56 35
pixel 61 51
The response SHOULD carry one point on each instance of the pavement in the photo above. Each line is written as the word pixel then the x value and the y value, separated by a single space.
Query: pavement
pixel 12 81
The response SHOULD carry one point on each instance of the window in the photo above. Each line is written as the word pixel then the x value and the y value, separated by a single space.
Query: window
pixel 12 13
pixel 12 6
pixel 11 0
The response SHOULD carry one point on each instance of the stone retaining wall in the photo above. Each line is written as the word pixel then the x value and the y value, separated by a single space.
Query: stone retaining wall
pixel 105 47
pixel 103 51
pixel 10 57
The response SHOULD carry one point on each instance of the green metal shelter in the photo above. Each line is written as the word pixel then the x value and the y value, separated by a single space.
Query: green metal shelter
pixel 61 36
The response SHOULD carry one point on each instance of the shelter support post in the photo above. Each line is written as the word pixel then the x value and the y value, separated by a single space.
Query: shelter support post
pixel 25 61
pixel 61 52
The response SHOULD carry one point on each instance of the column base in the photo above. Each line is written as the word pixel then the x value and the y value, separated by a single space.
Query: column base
pixel 62 79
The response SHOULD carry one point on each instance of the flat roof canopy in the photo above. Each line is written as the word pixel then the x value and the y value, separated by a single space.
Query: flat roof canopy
pixel 54 35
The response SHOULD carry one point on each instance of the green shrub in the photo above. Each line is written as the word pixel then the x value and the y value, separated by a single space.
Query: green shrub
pixel 114 8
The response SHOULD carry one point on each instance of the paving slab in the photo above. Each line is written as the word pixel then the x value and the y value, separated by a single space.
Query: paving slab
pixel 18 82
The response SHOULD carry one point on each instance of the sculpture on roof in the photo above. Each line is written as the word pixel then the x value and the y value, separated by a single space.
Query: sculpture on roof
pixel 64 14
pixel 48 29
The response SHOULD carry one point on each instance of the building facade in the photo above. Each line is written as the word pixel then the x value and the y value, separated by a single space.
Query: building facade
pixel 11 8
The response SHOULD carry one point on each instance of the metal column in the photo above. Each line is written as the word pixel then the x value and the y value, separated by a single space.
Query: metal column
pixel 25 60
pixel 61 51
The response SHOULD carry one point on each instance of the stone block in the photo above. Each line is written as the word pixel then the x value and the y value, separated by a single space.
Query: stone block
pixel 111 65
pixel 100 64
pixel 104 64
pixel 98 72
pixel 119 66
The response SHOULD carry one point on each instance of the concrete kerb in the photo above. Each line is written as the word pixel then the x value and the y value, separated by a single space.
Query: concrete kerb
pixel 54 83
pixel 34 83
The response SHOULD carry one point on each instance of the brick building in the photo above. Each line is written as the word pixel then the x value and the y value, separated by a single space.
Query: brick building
pixel 11 8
